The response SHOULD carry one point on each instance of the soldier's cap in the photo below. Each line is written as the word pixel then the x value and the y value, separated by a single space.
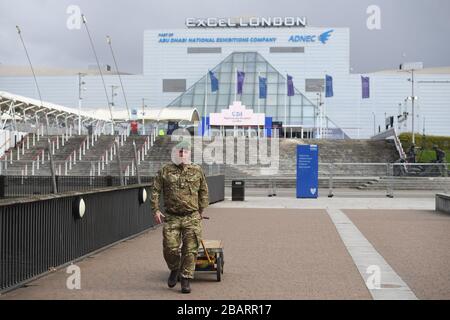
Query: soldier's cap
pixel 185 145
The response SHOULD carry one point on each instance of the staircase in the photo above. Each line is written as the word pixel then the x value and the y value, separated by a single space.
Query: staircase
pixel 92 156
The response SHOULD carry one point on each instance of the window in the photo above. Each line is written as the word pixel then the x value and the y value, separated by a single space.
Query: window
pixel 314 85
pixel 174 85
pixel 204 50
pixel 287 49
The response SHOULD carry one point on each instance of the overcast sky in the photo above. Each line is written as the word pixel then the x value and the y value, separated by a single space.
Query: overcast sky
pixel 411 30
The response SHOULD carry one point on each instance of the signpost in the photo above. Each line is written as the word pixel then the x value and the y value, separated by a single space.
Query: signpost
pixel 307 171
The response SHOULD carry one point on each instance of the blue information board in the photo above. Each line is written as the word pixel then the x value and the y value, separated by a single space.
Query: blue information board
pixel 307 171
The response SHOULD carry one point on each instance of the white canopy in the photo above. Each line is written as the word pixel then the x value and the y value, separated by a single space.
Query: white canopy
pixel 161 114
pixel 22 107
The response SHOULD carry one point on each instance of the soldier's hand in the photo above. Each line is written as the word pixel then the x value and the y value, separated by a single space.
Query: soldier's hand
pixel 158 217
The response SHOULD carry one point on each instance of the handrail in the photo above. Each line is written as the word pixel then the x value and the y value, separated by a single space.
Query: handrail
pixel 75 149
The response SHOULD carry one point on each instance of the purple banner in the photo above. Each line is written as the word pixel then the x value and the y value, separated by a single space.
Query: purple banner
pixel 365 87
pixel 290 86
pixel 240 81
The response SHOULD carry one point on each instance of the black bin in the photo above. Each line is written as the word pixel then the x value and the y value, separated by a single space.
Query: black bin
pixel 237 190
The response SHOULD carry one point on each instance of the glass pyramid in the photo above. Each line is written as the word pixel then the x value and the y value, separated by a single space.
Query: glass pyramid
pixel 299 110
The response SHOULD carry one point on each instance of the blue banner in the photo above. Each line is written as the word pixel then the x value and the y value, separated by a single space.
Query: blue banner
pixel 307 171
pixel 203 126
pixel 268 127
pixel 329 86
pixel 214 82
pixel 262 88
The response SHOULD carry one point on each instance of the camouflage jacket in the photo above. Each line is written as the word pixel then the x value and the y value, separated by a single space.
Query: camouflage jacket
pixel 184 189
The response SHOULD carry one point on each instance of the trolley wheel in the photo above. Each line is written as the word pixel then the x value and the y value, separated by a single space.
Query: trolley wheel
pixel 219 269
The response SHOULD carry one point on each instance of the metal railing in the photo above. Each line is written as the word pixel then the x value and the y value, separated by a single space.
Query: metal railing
pixel 40 234
pixel 387 177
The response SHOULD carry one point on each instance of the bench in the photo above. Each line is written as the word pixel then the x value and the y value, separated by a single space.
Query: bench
pixel 443 202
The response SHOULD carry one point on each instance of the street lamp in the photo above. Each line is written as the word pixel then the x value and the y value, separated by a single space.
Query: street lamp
pixel 113 94
pixel 374 124
pixel 143 115
pixel 411 67
pixel 81 83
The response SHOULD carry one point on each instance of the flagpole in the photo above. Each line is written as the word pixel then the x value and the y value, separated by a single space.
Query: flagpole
pixel 285 106
pixel 359 112
pixel 259 91
pixel 206 95
pixel 259 97
pixel 235 87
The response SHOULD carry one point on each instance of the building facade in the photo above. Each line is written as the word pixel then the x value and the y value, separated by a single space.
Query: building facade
pixel 177 62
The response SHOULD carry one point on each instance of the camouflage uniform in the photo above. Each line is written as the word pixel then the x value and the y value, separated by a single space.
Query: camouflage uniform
pixel 185 194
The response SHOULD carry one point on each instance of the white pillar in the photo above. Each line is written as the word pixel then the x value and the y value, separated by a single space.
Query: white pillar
pixel 65 168
pixel 74 156
pixel 87 142
pixel 23 147
pixel 37 163
pixel 53 147
pixel 18 153
pixel 43 156
pixel 106 157
pixel 34 139
pixel 57 142
pixel 98 164
pixel 26 169
pixel 70 162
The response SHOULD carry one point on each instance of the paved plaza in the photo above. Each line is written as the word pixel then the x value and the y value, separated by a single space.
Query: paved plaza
pixel 284 248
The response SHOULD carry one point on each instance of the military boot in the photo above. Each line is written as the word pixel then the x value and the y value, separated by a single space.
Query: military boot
pixel 173 278
pixel 185 287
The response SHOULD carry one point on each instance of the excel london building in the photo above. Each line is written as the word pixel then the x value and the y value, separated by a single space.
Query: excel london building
pixel 197 67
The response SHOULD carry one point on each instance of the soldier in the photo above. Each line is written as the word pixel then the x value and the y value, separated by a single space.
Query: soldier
pixel 185 195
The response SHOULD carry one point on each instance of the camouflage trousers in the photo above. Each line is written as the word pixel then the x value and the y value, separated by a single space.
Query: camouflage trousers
pixel 184 232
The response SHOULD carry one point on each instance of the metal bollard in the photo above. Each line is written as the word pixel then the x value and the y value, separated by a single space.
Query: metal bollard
pixel 390 177
pixel 330 182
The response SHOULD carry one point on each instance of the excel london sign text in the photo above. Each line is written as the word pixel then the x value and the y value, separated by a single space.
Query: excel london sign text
pixel 252 22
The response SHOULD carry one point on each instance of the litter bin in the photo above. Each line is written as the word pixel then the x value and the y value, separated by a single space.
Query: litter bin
pixel 237 190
